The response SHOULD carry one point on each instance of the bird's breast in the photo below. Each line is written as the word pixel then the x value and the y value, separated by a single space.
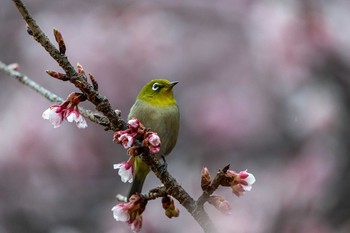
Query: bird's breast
pixel 161 119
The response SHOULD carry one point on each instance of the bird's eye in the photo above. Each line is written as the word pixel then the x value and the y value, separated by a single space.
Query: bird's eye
pixel 155 86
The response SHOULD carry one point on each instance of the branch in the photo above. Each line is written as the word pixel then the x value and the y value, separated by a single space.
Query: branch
pixel 25 80
pixel 218 180
pixel 101 102
pixel 115 122
pixel 174 189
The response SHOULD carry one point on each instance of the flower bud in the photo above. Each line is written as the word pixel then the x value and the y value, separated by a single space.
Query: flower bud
pixel 126 140
pixel 169 207
pixel 240 182
pixel 134 124
pixel 166 201
pixel 152 141
pixel 80 69
pixel 205 178
pixel 57 75
pixel 172 212
pixel 60 41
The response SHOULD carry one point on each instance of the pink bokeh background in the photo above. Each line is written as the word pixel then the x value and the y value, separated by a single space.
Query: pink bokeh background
pixel 264 86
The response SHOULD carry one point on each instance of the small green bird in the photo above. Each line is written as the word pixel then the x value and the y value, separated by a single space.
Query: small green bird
pixel 155 107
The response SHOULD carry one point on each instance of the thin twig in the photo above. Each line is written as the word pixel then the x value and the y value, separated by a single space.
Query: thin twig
pixel 220 175
pixel 25 80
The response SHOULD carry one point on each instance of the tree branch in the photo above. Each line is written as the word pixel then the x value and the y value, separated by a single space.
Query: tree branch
pixel 25 80
pixel 101 102
pixel 174 189
pixel 114 122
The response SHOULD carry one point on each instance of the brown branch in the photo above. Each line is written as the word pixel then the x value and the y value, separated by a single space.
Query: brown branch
pixel 174 189
pixel 115 122
pixel 220 176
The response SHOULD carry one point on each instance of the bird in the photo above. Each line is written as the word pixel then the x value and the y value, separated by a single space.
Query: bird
pixel 156 108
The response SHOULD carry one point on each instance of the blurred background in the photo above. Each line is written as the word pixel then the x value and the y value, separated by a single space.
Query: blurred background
pixel 264 86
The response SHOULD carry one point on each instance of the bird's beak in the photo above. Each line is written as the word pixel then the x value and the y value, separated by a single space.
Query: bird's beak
pixel 172 84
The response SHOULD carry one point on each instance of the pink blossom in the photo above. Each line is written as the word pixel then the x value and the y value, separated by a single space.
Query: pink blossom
pixel 131 211
pixel 126 140
pixel 74 115
pixel 134 124
pixel 54 114
pixel 126 171
pixel 137 223
pixel 67 110
pixel 242 182
pixel 121 212
pixel 154 139
pixel 246 179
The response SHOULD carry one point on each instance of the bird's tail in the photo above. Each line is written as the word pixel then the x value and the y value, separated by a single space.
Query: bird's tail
pixel 140 173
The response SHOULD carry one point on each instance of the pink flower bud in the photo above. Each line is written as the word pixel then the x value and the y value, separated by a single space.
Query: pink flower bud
pixel 54 114
pixel 121 212
pixel 154 140
pixel 126 140
pixel 131 211
pixel 134 124
pixel 241 182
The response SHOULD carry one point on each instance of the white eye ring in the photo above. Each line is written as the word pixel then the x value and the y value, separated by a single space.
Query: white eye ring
pixel 155 86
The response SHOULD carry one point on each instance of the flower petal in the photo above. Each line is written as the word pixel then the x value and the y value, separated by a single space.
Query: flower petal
pixel 125 171
pixel 120 213
pixel 46 114
pixel 81 122
pixel 53 116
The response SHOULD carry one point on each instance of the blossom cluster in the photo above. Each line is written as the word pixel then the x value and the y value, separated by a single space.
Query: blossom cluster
pixel 131 212
pixel 68 110
pixel 240 182
pixel 136 131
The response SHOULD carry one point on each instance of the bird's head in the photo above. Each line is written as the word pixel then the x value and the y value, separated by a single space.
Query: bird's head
pixel 158 92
